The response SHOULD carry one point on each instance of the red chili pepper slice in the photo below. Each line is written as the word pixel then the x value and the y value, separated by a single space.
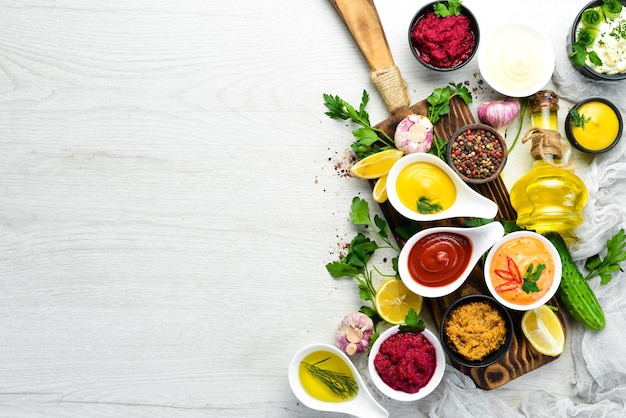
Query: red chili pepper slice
pixel 505 274
pixel 507 286
pixel 514 269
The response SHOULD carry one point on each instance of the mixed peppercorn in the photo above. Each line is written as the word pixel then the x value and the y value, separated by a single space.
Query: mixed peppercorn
pixel 476 154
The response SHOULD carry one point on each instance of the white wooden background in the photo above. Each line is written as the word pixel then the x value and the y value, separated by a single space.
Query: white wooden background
pixel 170 191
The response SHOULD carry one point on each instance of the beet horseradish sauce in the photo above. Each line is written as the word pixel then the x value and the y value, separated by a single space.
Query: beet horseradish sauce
pixel 439 259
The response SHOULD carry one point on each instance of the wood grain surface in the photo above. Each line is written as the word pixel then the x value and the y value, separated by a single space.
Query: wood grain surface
pixel 521 357
pixel 171 190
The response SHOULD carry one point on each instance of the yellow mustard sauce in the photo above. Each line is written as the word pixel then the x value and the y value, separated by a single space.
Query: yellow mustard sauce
pixel 317 388
pixel 523 251
pixel 602 128
pixel 423 179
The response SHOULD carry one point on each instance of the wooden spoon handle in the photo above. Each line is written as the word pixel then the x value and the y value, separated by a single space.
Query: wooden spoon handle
pixel 363 22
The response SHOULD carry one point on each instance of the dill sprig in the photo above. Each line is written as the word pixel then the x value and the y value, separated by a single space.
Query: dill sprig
pixel 340 384
pixel 425 205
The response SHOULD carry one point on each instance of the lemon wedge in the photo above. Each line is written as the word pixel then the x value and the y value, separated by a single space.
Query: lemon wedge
pixel 393 301
pixel 544 331
pixel 376 165
pixel 379 193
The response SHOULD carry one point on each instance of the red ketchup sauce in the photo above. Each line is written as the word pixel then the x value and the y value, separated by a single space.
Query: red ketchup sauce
pixel 439 258
pixel 443 42
pixel 406 362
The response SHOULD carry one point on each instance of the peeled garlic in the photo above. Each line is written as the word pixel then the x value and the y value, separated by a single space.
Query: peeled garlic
pixel 414 134
pixel 499 113
pixel 353 333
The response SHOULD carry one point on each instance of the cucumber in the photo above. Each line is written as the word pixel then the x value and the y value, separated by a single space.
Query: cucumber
pixel 574 291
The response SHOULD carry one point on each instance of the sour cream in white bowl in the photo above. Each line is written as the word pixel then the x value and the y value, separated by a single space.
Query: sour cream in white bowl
pixel 516 60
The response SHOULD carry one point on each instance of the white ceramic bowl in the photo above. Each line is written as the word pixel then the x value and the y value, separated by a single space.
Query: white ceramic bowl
pixel 363 404
pixel 480 238
pixel 516 60
pixel 403 396
pixel 468 202
pixel 556 280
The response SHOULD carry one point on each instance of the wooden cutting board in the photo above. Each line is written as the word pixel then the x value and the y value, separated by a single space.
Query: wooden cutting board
pixel 362 20
pixel 521 357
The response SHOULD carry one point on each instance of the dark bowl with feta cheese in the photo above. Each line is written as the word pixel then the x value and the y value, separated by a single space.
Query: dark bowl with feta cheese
pixel 595 42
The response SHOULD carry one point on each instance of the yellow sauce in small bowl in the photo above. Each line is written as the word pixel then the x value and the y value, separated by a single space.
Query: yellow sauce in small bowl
pixel 425 180
pixel 423 187
pixel 602 127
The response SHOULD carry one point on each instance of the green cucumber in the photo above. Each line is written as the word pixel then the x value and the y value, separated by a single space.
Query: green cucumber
pixel 574 291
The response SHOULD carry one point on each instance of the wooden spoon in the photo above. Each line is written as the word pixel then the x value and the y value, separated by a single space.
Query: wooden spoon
pixel 362 20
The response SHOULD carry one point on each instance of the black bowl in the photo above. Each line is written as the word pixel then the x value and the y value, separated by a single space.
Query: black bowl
pixel 586 70
pixel 473 28
pixel 489 359
pixel 572 139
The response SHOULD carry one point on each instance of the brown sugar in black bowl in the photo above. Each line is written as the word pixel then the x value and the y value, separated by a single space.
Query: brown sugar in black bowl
pixel 477 153
pixel 488 326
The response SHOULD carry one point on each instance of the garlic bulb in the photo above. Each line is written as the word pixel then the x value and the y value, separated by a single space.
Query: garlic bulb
pixel 414 134
pixel 353 333
pixel 500 113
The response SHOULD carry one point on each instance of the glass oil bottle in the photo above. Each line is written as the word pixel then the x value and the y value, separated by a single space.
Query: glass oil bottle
pixel 550 197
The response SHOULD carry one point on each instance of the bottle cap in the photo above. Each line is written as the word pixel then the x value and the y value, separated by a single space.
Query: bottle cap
pixel 544 99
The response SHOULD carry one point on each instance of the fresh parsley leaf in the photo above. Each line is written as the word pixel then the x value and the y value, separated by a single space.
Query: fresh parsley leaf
pixel 424 205
pixel 473 222
pixel 406 231
pixel 341 268
pixel 453 8
pixel 412 323
pixel 605 267
pixel 579 55
pixel 578 119
pixel 530 278
pixel 594 58
pixel 360 215
pixel 362 248
pixel 369 140
pixel 441 10
pixel 439 100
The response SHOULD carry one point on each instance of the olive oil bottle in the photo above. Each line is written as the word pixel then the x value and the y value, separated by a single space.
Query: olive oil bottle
pixel 550 197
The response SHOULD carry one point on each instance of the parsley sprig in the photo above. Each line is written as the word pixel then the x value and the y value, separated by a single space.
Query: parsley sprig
pixel 369 140
pixel 579 55
pixel 453 8
pixel 530 278
pixel 439 105
pixel 439 100
pixel 578 119
pixel 412 323
pixel 605 267
pixel 355 263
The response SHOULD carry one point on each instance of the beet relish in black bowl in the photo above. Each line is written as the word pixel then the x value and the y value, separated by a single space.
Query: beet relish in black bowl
pixel 444 35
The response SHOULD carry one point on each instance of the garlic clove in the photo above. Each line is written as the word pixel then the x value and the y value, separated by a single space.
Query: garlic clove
pixel 414 134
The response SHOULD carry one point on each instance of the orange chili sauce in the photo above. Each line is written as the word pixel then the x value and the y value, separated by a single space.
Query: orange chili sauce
pixel 523 250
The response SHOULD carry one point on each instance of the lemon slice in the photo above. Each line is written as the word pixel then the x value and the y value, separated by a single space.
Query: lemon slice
pixel 393 300
pixel 379 193
pixel 376 165
pixel 544 331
